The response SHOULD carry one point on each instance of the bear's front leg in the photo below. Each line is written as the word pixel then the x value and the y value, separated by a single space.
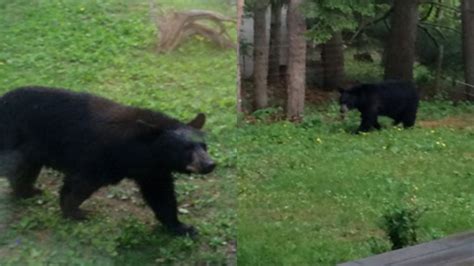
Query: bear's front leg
pixel 159 194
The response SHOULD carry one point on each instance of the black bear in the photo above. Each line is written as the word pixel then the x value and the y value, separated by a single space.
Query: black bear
pixel 96 142
pixel 395 99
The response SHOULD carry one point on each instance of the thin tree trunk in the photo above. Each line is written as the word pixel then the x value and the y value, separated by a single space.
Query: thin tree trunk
pixel 296 60
pixel 467 7
pixel 332 56
pixel 400 55
pixel 275 43
pixel 439 11
pixel 240 8
pixel 439 69
pixel 260 57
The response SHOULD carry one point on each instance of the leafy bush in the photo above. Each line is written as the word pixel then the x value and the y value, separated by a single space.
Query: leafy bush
pixel 400 225
pixel 422 75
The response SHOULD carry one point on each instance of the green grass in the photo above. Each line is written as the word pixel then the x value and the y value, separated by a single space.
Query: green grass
pixel 107 48
pixel 314 194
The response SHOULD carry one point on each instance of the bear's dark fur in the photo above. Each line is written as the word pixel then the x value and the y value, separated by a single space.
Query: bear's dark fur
pixel 395 99
pixel 96 142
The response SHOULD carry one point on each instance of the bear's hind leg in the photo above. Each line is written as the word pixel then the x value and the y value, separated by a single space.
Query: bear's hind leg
pixel 408 123
pixel 9 161
pixel 409 116
pixel 23 182
pixel 74 192
pixel 377 125
pixel 396 121
pixel 409 119
pixel 160 196
pixel 21 174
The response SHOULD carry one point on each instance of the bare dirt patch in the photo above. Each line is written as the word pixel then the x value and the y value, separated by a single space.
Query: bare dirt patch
pixel 459 122
pixel 118 201
pixel 314 96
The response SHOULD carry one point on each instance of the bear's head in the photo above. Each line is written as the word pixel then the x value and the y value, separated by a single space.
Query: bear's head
pixel 183 149
pixel 348 100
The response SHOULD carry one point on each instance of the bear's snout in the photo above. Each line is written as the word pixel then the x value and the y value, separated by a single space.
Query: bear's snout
pixel 201 163
pixel 208 167
pixel 344 109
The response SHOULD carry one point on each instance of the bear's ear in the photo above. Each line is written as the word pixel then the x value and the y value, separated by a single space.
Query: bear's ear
pixel 198 122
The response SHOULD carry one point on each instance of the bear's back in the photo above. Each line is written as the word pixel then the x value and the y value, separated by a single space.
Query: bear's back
pixel 54 108
pixel 60 127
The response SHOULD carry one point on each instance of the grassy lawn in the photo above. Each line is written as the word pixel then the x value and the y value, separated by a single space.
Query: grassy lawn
pixel 107 48
pixel 314 194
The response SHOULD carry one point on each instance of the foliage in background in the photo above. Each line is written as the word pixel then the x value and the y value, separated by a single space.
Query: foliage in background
pixel 440 25
pixel 365 25
pixel 324 18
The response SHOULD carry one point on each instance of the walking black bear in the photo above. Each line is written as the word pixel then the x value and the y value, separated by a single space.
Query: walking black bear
pixel 395 99
pixel 96 142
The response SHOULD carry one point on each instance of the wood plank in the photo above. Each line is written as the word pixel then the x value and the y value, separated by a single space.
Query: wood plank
pixel 453 250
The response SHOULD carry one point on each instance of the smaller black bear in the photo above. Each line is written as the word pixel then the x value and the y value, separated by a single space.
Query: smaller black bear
pixel 96 142
pixel 395 99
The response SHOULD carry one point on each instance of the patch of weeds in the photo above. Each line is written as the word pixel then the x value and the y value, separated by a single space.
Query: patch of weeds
pixel 401 225
pixel 421 74
pixel 435 234
pixel 378 245
pixel 267 114
pixel 133 233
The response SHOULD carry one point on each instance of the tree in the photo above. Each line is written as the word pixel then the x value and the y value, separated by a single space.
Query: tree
pixel 240 11
pixel 332 56
pixel 400 50
pixel 275 42
pixel 296 60
pixel 260 54
pixel 326 20
pixel 467 9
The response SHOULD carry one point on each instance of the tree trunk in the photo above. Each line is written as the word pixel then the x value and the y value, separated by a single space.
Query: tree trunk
pixel 240 11
pixel 400 55
pixel 439 69
pixel 467 7
pixel 260 57
pixel 296 60
pixel 332 55
pixel 439 11
pixel 275 43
